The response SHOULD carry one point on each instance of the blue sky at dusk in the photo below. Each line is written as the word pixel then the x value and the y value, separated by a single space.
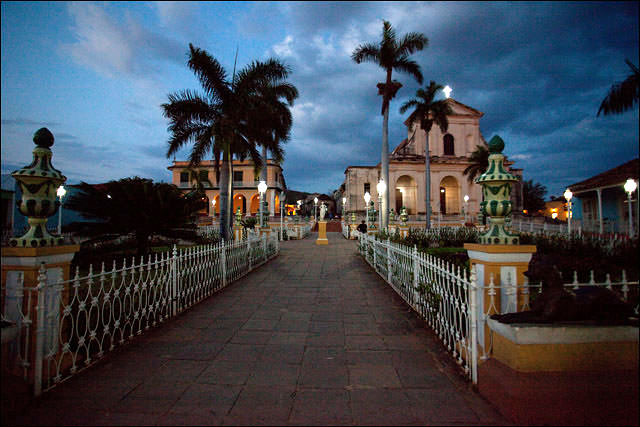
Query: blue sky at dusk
pixel 96 74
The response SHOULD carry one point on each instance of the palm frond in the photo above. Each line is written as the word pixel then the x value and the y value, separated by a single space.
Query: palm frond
pixel 368 52
pixel 408 66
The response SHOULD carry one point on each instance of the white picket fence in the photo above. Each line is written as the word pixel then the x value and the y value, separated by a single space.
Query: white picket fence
pixel 79 320
pixel 440 293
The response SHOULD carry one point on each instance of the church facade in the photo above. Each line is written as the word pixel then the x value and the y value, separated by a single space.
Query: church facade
pixel 449 153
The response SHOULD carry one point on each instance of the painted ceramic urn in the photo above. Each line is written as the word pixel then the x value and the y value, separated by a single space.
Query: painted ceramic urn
pixel 38 183
pixel 404 217
pixel 496 188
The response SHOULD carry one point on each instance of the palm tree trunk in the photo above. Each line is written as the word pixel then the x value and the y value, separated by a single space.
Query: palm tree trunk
pixel 384 209
pixel 427 181
pixel 263 176
pixel 230 195
pixel 224 196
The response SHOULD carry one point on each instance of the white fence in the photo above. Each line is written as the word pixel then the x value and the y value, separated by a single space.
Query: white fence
pixel 440 293
pixel 81 319
pixel 451 301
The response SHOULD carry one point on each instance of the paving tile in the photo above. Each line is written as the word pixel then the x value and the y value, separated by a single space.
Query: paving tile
pixel 325 340
pixel 226 372
pixel 241 352
pixel 274 374
pixel 364 342
pixel 382 407
pixel 327 374
pixel 370 375
pixel 285 353
pixel 259 405
pixel 208 401
pixel 251 337
pixel 321 407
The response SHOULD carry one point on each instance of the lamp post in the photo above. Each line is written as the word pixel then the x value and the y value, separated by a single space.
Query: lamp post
pixel 262 188
pixel 367 198
pixel 344 203
pixel 61 192
pixel 381 187
pixel 213 207
pixel 630 186
pixel 568 195
pixel 299 204
pixel 315 209
pixel 282 196
pixel 466 207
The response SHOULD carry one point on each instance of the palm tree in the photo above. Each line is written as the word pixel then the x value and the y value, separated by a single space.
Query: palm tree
pixel 221 120
pixel 479 163
pixel 390 54
pixel 622 96
pixel 134 205
pixel 428 112
pixel 533 196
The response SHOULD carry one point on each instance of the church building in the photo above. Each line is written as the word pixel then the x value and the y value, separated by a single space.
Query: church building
pixel 449 154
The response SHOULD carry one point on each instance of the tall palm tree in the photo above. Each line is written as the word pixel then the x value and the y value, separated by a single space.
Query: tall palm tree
pixel 622 96
pixel 428 112
pixel 220 120
pixel 390 54
pixel 479 163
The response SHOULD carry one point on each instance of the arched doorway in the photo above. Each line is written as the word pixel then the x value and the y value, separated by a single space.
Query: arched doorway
pixel 239 201
pixel 406 196
pixel 255 204
pixel 449 196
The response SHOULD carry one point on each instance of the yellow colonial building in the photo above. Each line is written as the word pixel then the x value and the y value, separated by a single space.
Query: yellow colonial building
pixel 245 185
pixel 449 153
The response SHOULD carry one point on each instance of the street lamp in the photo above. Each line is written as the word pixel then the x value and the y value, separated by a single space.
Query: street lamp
pixel 367 198
pixel 282 196
pixel 466 206
pixel 381 187
pixel 262 188
pixel 213 207
pixel 568 195
pixel 344 202
pixel 630 186
pixel 299 208
pixel 315 209
pixel 61 192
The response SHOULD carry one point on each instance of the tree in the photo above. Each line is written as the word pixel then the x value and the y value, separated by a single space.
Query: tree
pixel 134 205
pixel 622 96
pixel 479 163
pixel 533 196
pixel 222 120
pixel 428 112
pixel 390 54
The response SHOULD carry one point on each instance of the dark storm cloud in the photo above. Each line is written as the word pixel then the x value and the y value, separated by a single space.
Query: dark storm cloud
pixel 538 71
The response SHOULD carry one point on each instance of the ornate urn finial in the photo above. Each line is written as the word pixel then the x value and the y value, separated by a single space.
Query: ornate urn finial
pixel 38 182
pixel 496 188
pixel 404 217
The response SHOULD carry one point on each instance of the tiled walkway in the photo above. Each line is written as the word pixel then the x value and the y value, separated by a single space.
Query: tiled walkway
pixel 313 337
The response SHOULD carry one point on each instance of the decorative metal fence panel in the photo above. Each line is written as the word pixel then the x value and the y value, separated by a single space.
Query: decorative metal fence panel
pixel 444 297
pixel 79 320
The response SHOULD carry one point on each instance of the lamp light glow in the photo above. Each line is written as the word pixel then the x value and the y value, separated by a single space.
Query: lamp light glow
pixel 466 198
pixel 568 195
pixel 367 197
pixel 447 91
pixel 61 192
pixel 381 187
pixel 630 186
pixel 262 187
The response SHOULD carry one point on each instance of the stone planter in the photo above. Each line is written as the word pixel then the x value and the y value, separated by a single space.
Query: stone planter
pixel 564 347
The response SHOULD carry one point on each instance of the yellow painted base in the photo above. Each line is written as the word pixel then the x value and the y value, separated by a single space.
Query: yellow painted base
pixel 322 233
pixel 585 356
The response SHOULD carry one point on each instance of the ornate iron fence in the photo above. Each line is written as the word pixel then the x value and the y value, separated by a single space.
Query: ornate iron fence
pixel 440 293
pixel 79 320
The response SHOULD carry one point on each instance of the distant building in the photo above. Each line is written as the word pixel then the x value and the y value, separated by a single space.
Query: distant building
pixel 601 204
pixel 449 153
pixel 556 208
pixel 245 185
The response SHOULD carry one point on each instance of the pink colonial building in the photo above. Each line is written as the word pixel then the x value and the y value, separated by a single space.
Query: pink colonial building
pixel 245 185
pixel 449 154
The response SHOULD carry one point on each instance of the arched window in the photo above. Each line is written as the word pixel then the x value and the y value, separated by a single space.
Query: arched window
pixel 448 145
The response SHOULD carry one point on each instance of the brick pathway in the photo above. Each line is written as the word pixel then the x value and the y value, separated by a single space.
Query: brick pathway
pixel 315 337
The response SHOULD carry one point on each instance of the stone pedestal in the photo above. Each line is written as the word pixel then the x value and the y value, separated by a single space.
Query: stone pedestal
pixel 506 264
pixel 404 230
pixel 264 231
pixel 20 269
pixel 237 232
pixel 322 233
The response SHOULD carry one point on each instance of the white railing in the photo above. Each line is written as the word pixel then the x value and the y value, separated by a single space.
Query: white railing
pixel 79 320
pixel 439 292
